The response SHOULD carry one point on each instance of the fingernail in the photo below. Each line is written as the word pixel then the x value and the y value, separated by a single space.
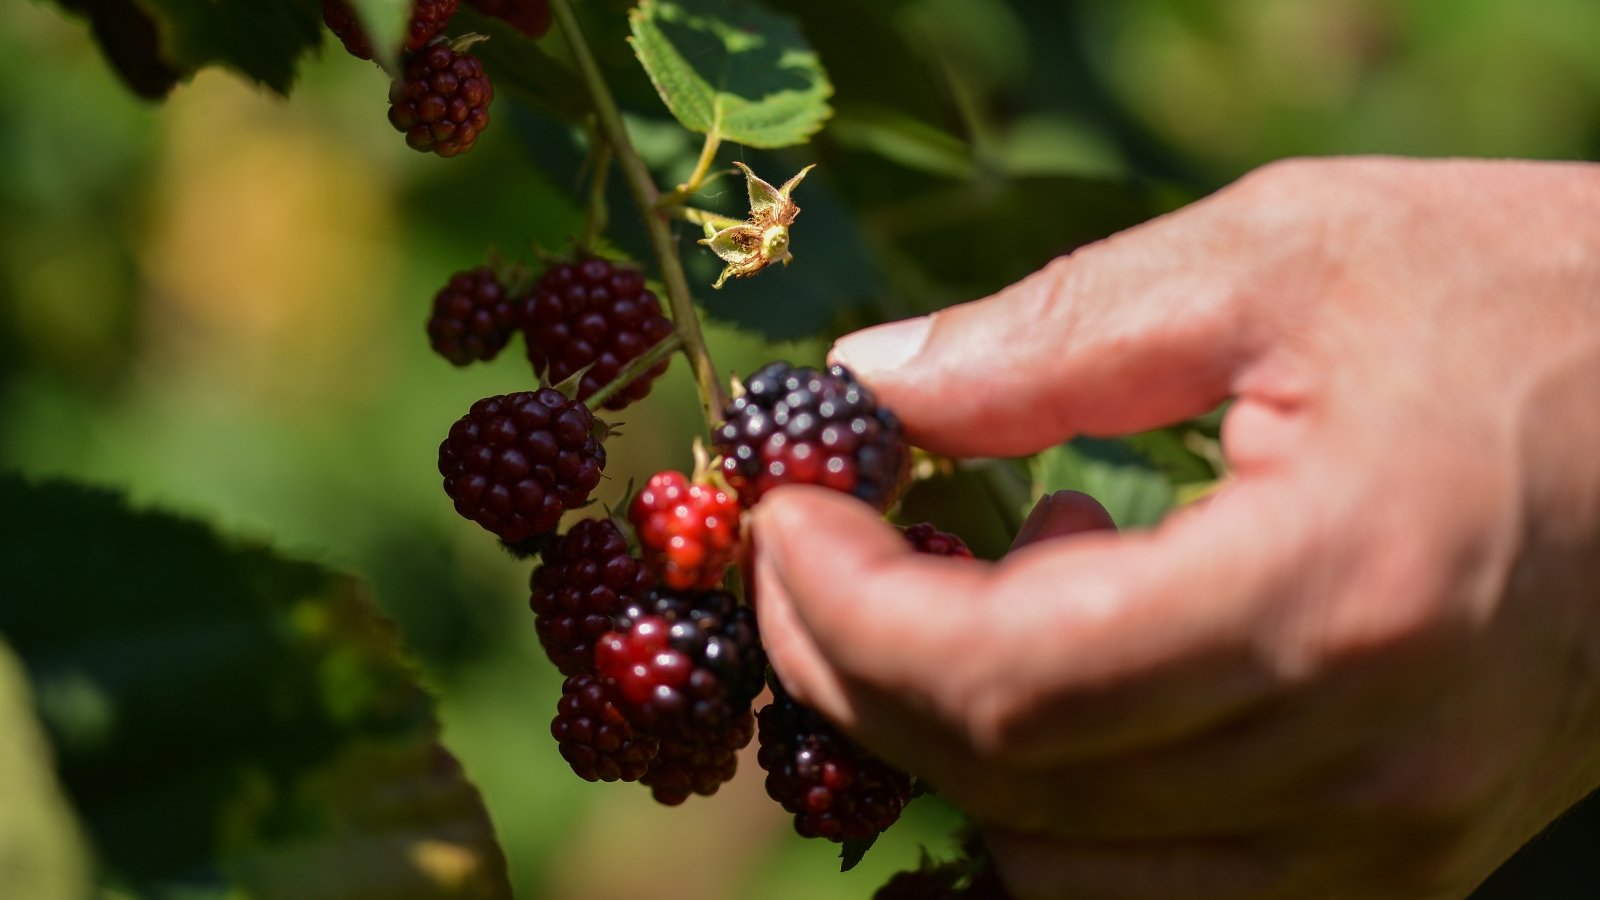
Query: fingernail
pixel 882 348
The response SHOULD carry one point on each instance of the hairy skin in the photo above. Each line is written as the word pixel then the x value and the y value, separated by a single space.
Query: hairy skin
pixel 1368 667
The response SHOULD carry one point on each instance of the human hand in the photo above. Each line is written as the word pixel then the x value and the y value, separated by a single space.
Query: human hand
pixel 1369 666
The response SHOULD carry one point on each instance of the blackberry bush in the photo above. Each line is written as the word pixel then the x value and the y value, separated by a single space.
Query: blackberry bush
pixel 587 577
pixel 440 101
pixel 798 425
pixel 514 463
pixel 597 314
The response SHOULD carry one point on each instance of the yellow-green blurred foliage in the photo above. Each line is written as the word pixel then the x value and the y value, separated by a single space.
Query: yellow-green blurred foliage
pixel 217 304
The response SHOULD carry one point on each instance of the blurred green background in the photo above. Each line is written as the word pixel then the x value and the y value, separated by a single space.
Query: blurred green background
pixel 216 303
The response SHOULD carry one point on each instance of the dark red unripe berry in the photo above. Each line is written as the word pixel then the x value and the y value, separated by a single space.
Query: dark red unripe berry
pixel 688 532
pixel 428 18
pixel 683 663
pixel 514 463
pixel 699 763
pixel 440 101
pixel 595 738
pixel 587 577
pixel 801 426
pixel 928 539
pixel 594 313
pixel 473 317
pixel 834 787
pixel 531 17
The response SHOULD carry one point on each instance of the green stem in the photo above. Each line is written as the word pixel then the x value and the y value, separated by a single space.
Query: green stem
pixel 645 196
pixel 594 223
pixel 702 166
pixel 636 367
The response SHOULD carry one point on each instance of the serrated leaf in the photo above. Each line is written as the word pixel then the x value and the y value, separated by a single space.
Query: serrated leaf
pixel 154 44
pixel 42 856
pixel 226 720
pixel 515 61
pixel 732 69
pixel 1135 493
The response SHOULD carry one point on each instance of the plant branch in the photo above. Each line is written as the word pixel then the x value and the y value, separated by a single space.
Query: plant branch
pixel 646 196
pixel 594 223
pixel 635 368
pixel 702 166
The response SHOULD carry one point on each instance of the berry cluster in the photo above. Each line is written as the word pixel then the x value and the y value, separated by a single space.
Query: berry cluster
pixel 587 578
pixel 804 426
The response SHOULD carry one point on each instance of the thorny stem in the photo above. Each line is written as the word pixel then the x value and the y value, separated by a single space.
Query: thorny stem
pixel 702 167
pixel 636 367
pixel 646 196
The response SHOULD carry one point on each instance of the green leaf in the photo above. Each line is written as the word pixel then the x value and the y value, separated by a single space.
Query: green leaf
pixel 154 44
pixel 224 719
pixel 515 61
pixel 42 856
pixel 1135 493
pixel 732 69
pixel 852 852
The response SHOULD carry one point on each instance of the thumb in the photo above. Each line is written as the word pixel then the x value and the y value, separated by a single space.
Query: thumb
pixel 1137 331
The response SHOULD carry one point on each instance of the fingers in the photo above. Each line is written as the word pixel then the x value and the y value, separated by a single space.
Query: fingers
pixel 1093 645
pixel 1140 330
pixel 1060 514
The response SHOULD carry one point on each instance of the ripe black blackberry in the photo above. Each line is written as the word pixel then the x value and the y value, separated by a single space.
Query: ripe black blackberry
pixel 801 426
pixel 531 17
pixel 428 18
pixel 834 787
pixel 514 463
pixel 928 539
pixel 594 313
pixel 440 101
pixel 699 763
pixel 683 663
pixel 595 738
pixel 473 317
pixel 587 577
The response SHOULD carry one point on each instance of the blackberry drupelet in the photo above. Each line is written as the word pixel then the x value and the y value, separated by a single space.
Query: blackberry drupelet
pixel 428 18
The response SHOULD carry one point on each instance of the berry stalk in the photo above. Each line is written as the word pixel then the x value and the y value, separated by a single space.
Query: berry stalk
pixel 646 196
pixel 637 367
